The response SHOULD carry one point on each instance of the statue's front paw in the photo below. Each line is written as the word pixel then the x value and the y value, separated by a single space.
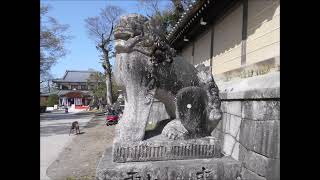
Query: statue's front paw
pixel 174 130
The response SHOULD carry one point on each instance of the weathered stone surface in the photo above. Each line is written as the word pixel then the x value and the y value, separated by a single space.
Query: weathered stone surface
pixel 191 105
pixel 137 106
pixel 262 137
pixel 175 130
pixel 254 162
pixel 159 150
pixel 261 110
pixel 234 126
pixel 213 169
pixel 217 132
pixel 229 134
pixel 273 170
pixel 249 175
pixel 229 144
pixel 230 124
pixel 247 132
pixel 263 86
pixel 132 25
pixel 226 122
pixel 147 67
pixel 235 151
pixel 219 126
pixel 233 107
pixel 224 105
pixel 252 94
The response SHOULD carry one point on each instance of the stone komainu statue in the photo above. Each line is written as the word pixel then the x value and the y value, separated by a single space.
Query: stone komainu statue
pixel 148 68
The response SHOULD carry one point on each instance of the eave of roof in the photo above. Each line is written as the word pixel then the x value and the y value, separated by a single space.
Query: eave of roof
pixel 64 92
pixel 63 81
pixel 189 23
pixel 65 74
pixel 49 93
pixel 187 18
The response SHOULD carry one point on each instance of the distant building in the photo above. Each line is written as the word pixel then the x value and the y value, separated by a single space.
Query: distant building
pixel 73 88
pixel 43 99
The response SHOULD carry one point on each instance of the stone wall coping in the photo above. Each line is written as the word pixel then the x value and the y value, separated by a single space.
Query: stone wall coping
pixel 258 87
pixel 266 93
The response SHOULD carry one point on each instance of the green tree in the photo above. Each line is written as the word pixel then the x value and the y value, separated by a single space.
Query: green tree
pixel 98 90
pixel 53 99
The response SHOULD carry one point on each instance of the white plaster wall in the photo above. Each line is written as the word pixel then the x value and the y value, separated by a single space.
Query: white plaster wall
pixel 202 48
pixel 227 42
pixel 263 40
pixel 186 53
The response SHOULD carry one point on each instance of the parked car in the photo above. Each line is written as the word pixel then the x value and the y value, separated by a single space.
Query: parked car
pixel 43 109
pixel 111 118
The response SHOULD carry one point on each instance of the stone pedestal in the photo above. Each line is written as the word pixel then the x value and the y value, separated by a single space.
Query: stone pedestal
pixel 223 168
pixel 163 150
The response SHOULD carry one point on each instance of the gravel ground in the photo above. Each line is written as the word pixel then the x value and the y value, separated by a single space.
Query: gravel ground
pixel 78 160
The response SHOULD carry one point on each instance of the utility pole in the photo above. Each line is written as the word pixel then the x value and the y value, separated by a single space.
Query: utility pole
pixel 49 86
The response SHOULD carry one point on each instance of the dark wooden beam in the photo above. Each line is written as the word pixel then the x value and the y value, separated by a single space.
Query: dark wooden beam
pixel 244 32
pixel 211 45
pixel 193 52
pixel 214 11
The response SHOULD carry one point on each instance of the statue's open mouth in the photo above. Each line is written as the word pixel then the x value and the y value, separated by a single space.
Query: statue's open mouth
pixel 120 46
pixel 123 33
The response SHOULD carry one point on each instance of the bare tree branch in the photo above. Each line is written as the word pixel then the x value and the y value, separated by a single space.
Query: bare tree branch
pixel 100 29
pixel 53 37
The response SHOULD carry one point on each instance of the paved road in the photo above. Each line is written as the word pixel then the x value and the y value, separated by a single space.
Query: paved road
pixel 54 135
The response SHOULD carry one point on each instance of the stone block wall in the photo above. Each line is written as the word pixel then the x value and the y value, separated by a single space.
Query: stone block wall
pixel 250 133
pixel 250 126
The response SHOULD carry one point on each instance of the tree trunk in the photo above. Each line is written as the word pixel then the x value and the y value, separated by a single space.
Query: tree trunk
pixel 107 68
pixel 109 88
pixel 100 104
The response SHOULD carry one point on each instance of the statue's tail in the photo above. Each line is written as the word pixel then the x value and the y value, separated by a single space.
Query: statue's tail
pixel 214 113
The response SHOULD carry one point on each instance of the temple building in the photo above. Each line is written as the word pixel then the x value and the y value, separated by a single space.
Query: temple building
pixel 240 41
pixel 237 38
pixel 73 89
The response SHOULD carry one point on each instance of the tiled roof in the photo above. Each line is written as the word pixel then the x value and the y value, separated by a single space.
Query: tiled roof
pixel 48 93
pixel 187 18
pixel 75 76
pixel 64 92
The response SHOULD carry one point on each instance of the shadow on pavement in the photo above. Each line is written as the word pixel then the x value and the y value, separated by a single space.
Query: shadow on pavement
pixel 95 121
pixel 62 116
pixel 56 129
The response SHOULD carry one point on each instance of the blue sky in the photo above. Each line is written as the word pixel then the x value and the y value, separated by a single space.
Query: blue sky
pixel 82 52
